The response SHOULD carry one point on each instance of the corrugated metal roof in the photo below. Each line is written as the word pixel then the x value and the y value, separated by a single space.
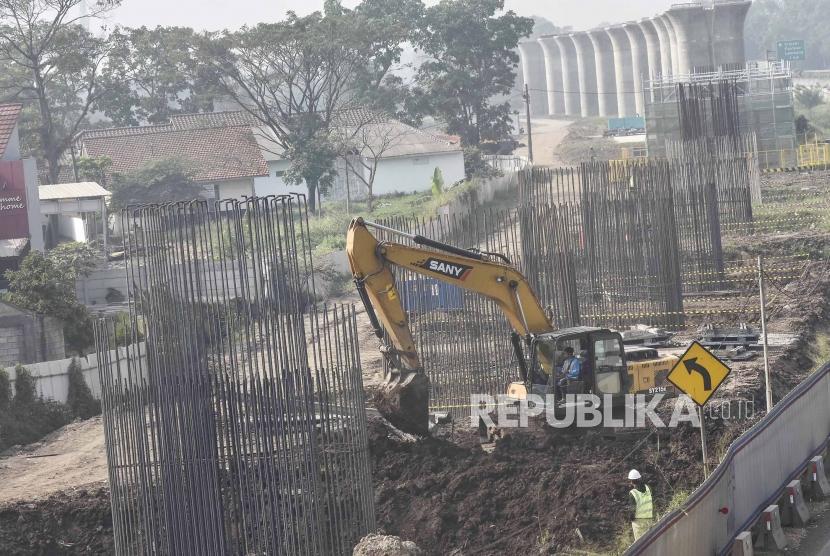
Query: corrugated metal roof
pixel 81 190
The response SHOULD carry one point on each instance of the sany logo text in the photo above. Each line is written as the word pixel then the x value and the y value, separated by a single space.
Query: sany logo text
pixel 446 268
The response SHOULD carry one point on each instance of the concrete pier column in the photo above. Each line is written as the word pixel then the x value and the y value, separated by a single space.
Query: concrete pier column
pixel 728 41
pixel 623 71
pixel 639 63
pixel 570 74
pixel 587 74
pixel 606 74
pixel 655 62
pixel 533 72
pixel 553 72
pixel 694 49
pixel 672 34
pixel 665 46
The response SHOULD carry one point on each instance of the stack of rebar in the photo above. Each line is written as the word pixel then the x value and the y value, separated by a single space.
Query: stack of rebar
pixel 237 423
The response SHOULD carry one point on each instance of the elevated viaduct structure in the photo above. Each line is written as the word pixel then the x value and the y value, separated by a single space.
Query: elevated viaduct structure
pixel 601 72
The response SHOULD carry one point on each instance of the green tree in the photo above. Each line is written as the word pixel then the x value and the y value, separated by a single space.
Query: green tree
pixel 51 63
pixel 5 391
pixel 94 169
pixel 79 397
pixel 809 97
pixel 45 284
pixel 437 182
pixel 76 259
pixel 471 47
pixel 299 76
pixel 151 74
pixel 25 390
pixel 160 181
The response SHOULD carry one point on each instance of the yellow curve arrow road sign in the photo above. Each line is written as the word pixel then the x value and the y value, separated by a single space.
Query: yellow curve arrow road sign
pixel 698 373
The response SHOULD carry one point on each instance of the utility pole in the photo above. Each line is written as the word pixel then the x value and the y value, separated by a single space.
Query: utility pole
pixel 768 383
pixel 526 96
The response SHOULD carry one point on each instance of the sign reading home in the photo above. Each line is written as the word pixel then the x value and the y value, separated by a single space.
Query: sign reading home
pixel 14 220
pixel 447 268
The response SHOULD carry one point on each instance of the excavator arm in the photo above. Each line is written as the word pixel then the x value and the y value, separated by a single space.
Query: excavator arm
pixel 404 398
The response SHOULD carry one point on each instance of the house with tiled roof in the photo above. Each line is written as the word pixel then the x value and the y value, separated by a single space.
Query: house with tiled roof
pixel 9 135
pixel 232 154
pixel 223 155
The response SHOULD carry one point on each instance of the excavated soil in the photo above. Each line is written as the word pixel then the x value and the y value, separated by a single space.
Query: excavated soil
pixel 77 522
pixel 540 489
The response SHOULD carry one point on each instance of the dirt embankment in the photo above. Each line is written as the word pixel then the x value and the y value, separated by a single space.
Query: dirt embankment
pixel 540 490
pixel 77 522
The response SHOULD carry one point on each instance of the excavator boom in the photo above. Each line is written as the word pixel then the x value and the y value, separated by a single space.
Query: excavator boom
pixel 404 398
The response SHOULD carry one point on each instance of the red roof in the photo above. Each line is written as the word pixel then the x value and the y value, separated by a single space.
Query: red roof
pixel 9 113
pixel 214 153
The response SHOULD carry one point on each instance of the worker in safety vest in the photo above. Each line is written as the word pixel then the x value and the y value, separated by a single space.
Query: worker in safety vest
pixel 642 516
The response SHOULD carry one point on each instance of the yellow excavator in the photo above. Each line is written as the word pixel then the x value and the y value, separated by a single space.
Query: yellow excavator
pixel 539 348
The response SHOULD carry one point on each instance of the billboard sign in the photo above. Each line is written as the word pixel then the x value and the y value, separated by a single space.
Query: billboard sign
pixel 14 218
pixel 791 51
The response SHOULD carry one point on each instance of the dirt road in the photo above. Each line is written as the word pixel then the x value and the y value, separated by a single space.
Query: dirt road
pixel 70 458
pixel 547 134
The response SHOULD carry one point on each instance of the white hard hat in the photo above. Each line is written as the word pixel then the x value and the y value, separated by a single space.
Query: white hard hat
pixel 634 475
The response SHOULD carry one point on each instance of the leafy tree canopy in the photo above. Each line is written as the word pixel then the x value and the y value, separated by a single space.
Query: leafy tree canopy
pixel 151 74
pixel 471 46
pixel 161 181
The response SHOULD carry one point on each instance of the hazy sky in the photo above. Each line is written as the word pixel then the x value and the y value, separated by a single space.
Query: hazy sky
pixel 218 14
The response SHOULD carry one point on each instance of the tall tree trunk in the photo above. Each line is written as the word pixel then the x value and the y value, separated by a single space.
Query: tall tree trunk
pixel 312 194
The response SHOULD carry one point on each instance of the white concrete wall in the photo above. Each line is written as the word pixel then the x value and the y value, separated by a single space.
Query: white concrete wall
pixel 12 151
pixel 72 227
pixel 408 174
pixel 274 184
pixel 52 379
pixel 235 189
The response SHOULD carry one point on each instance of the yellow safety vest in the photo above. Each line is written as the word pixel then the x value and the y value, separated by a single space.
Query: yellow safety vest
pixel 643 507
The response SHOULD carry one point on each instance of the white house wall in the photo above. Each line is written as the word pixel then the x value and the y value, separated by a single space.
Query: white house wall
pixel 408 174
pixel 236 189
pixel 72 227
pixel 273 184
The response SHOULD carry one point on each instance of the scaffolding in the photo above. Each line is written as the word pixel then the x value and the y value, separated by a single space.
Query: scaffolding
pixel 765 106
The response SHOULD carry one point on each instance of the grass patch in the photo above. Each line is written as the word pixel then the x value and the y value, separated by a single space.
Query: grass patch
pixel 327 233
pixel 819 349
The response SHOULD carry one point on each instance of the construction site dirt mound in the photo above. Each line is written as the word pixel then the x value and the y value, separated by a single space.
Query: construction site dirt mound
pixel 71 457
pixel 540 489
pixel 385 545
pixel 77 522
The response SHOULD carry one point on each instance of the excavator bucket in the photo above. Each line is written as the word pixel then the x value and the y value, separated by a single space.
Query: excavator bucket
pixel 404 400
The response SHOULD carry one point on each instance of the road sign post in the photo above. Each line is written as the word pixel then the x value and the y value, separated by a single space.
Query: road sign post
pixel 698 374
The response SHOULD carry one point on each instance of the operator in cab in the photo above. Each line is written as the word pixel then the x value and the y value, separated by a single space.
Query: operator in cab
pixel 571 368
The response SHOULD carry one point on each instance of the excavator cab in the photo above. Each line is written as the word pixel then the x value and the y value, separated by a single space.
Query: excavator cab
pixel 601 357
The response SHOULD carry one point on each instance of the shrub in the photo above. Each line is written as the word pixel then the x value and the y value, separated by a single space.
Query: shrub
pixel 79 399
pixel 5 391
pixel 27 424
pixel 25 390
